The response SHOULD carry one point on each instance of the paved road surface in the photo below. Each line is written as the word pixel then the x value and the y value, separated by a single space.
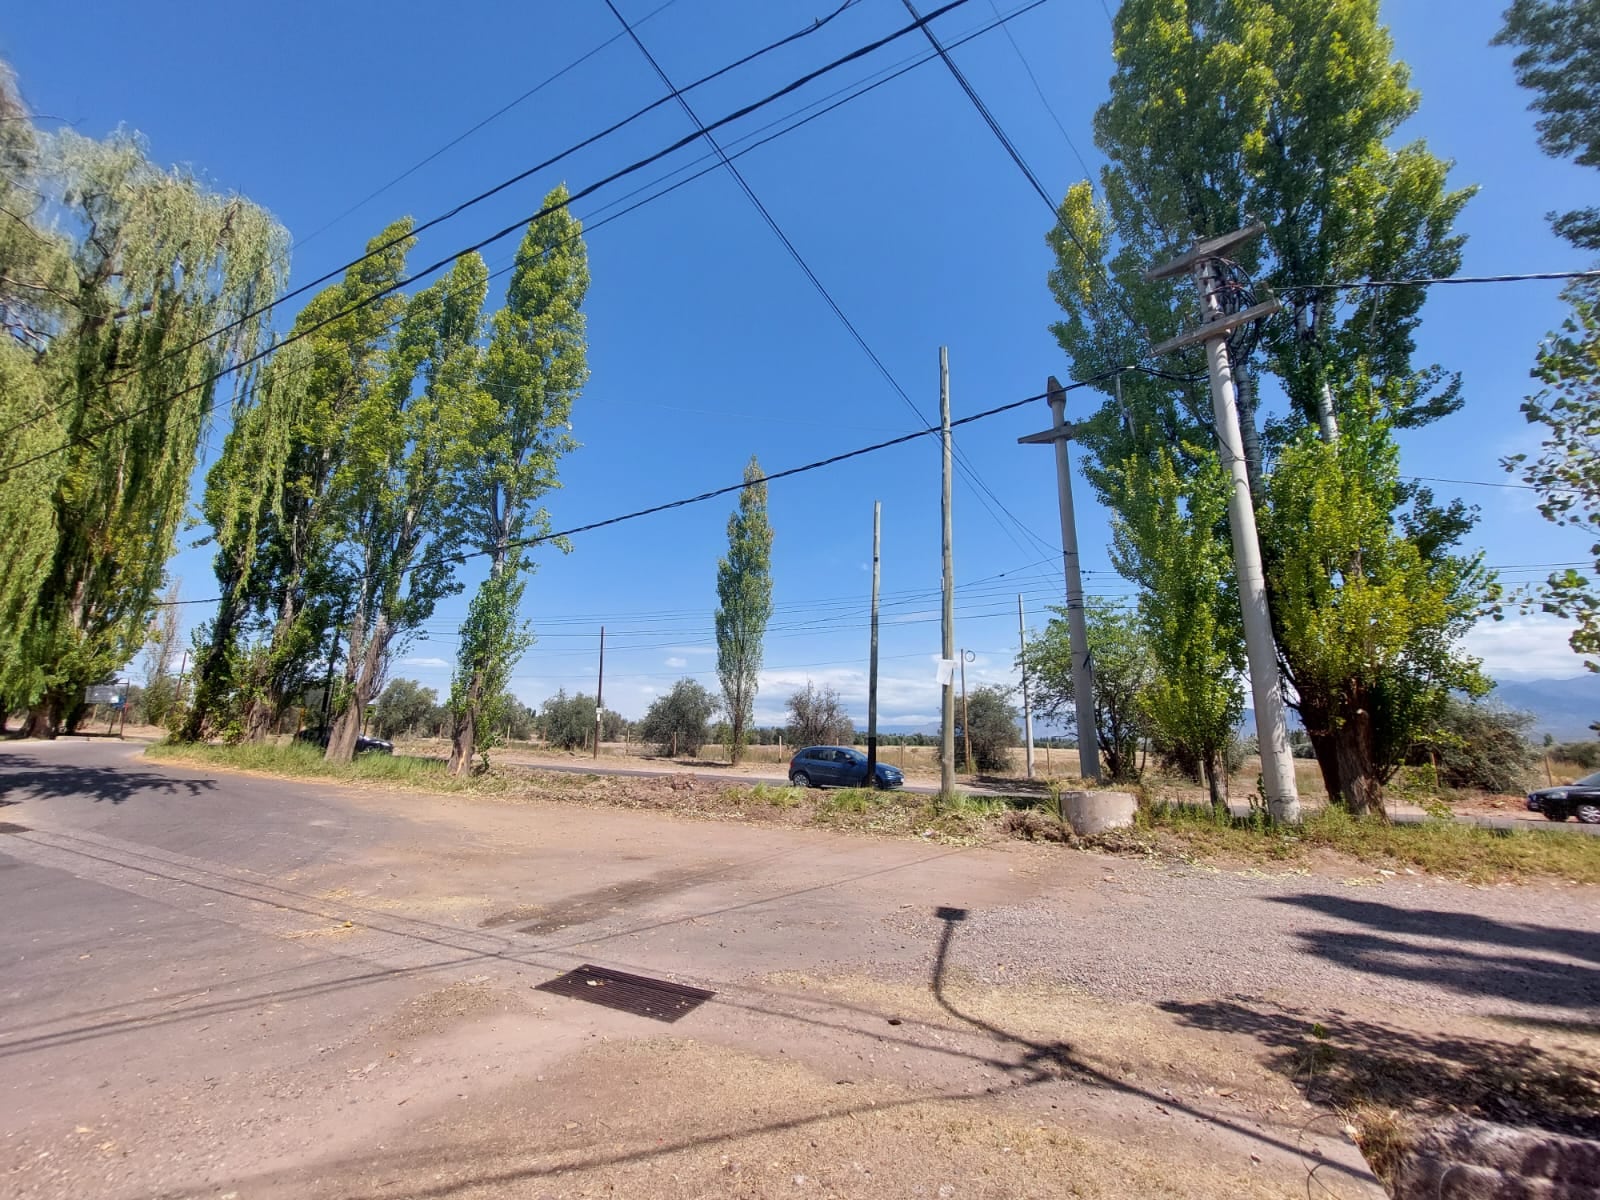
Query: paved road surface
pixel 216 985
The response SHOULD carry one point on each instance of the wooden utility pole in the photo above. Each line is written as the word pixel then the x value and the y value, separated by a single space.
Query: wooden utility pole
pixel 947 699
pixel 1058 435
pixel 1272 725
pixel 599 693
pixel 872 662
pixel 1027 709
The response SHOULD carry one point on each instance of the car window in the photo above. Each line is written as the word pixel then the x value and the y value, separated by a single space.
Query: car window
pixel 1589 780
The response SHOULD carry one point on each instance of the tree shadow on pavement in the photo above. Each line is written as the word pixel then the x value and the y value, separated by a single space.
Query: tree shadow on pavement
pixel 1532 964
pixel 23 778
pixel 1344 1061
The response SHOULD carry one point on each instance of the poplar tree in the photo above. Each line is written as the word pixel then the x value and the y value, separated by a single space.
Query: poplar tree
pixel 1286 111
pixel 393 489
pixel 516 428
pixel 270 500
pixel 744 595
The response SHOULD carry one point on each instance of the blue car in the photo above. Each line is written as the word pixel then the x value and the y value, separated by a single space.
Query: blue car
pixel 839 766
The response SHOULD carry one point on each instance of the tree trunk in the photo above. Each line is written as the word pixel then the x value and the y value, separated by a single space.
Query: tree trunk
pixel 347 726
pixel 736 739
pixel 1360 790
pixel 42 720
pixel 259 720
pixel 464 737
pixel 1212 768
pixel 1244 386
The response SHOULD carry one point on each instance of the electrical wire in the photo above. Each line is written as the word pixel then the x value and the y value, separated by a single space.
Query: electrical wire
pixel 1442 280
pixel 499 235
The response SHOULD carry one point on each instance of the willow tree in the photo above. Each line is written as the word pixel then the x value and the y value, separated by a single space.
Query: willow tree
pixel 118 377
pixel 744 605
pixel 515 431
pixel 1286 111
pixel 393 488
pixel 270 499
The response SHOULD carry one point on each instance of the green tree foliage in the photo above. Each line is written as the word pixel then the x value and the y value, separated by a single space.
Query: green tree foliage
pixel 1559 60
pixel 1123 670
pixel 515 433
pixel 817 718
pixel 107 376
pixel 1170 540
pixel 1369 623
pixel 404 707
pixel 1480 746
pixel 679 721
pixel 1285 111
pixel 392 493
pixel 989 723
pixel 567 722
pixel 273 507
pixel 744 604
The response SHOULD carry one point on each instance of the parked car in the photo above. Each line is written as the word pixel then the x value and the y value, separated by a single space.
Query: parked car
pixel 839 766
pixel 1580 799
pixel 364 744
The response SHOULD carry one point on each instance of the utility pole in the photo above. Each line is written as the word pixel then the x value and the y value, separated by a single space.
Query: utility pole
pixel 1027 709
pixel 599 693
pixel 1058 435
pixel 947 700
pixel 872 662
pixel 1272 726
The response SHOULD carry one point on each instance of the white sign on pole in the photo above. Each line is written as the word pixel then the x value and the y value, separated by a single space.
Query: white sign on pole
pixel 947 671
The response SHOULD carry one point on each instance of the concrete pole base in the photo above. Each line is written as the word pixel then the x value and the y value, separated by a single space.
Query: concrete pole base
pixel 1090 813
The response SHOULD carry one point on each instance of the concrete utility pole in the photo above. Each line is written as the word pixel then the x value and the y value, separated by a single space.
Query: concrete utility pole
pixel 1077 627
pixel 1027 709
pixel 872 661
pixel 599 694
pixel 947 700
pixel 1272 726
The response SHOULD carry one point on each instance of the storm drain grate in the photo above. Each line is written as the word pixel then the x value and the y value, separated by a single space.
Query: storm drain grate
pixel 658 999
pixel 8 827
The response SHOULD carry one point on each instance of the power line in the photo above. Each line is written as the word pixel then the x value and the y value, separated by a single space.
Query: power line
pixel 1043 99
pixel 1441 280
pixel 465 134
pixel 794 251
pixel 499 235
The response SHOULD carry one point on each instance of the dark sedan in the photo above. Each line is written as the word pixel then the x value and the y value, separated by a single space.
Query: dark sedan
pixel 1580 799
pixel 364 744
pixel 839 766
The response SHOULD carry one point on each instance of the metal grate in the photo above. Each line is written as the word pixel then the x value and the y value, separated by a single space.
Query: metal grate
pixel 659 999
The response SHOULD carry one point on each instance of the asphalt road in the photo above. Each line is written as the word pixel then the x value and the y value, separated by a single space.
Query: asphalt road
pixel 215 984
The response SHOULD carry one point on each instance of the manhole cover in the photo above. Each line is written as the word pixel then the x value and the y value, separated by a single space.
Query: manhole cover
pixel 655 998
pixel 8 827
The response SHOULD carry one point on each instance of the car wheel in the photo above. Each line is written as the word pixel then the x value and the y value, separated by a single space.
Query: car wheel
pixel 1589 814
pixel 800 779
pixel 1555 814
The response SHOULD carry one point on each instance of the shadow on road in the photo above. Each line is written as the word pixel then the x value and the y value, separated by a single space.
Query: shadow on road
pixel 1342 1061
pixel 1463 952
pixel 24 778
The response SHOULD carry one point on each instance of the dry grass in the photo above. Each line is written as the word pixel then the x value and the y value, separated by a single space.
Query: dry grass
pixel 1469 852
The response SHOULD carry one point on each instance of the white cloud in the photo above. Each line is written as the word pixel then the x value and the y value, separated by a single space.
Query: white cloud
pixel 676 662
pixel 1525 647
pixel 423 662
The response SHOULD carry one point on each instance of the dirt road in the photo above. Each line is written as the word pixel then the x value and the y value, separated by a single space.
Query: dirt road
pixel 214 985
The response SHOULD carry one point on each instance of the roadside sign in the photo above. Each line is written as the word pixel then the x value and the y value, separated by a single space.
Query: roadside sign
pixel 104 693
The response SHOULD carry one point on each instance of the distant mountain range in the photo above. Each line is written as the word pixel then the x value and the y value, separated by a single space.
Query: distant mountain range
pixel 1562 708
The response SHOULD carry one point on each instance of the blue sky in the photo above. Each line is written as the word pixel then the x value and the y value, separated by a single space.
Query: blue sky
pixel 707 344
